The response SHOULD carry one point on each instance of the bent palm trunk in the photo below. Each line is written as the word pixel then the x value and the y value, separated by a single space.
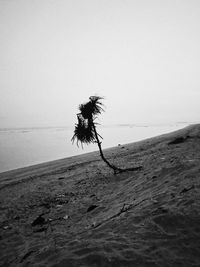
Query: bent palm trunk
pixel 116 169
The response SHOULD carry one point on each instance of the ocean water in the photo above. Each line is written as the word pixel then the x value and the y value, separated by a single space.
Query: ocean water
pixel 29 146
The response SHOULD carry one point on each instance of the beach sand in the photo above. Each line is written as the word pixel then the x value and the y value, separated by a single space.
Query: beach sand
pixel 76 212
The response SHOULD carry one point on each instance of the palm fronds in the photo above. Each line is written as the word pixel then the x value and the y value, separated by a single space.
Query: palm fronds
pixel 83 132
pixel 91 108
pixel 84 129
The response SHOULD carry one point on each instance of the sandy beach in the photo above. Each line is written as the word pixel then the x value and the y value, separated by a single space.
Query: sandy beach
pixel 76 212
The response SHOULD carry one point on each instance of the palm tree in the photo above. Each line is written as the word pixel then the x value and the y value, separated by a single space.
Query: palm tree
pixel 85 130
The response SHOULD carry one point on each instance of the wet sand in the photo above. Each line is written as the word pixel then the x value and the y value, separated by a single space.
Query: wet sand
pixel 76 212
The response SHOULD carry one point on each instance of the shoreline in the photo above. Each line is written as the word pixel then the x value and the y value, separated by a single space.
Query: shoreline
pixel 24 149
pixel 42 168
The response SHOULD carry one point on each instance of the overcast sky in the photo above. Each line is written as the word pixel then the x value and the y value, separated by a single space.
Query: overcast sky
pixel 143 56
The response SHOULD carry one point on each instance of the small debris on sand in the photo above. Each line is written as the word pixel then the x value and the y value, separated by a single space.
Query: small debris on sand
pixel 39 220
pixel 66 217
pixel 92 207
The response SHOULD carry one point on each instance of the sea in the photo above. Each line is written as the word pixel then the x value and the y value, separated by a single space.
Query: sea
pixel 22 147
